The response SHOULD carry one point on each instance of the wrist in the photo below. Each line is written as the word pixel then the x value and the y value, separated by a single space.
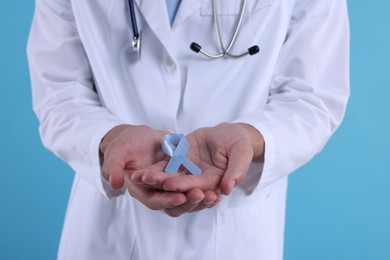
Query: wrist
pixel 257 141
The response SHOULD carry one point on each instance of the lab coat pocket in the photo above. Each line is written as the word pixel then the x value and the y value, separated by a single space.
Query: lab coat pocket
pixel 247 232
pixel 234 7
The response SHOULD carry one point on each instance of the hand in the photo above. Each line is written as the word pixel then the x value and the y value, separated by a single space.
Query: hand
pixel 173 204
pixel 197 200
pixel 127 148
pixel 223 152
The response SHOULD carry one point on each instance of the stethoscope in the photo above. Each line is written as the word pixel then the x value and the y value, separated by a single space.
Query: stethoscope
pixel 136 42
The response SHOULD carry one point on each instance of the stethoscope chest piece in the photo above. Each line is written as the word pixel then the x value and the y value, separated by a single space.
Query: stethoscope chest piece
pixel 136 44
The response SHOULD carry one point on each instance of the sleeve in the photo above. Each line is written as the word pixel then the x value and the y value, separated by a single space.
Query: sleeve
pixel 72 119
pixel 309 90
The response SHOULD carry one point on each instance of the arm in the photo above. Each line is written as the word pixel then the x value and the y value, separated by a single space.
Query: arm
pixel 72 119
pixel 78 128
pixel 310 88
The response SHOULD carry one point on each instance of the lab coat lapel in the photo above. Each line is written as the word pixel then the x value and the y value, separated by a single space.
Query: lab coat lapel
pixel 156 15
pixel 155 11
pixel 187 8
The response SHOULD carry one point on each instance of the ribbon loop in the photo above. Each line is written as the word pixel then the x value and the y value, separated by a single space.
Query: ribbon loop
pixel 177 146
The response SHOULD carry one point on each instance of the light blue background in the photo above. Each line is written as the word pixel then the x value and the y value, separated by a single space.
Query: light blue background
pixel 338 205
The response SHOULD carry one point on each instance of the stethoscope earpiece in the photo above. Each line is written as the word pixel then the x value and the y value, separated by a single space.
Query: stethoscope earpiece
pixel 253 50
pixel 195 47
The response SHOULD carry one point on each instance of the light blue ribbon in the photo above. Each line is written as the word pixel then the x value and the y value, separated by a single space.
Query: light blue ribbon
pixel 177 146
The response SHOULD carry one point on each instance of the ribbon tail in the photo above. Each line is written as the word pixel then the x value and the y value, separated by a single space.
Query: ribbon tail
pixel 172 166
pixel 191 167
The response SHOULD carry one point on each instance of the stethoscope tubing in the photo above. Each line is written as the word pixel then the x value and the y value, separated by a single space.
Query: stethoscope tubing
pixel 236 31
pixel 133 18
pixel 195 46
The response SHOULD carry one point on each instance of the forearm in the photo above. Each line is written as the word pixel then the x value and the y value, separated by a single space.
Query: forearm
pixel 72 118
pixel 309 90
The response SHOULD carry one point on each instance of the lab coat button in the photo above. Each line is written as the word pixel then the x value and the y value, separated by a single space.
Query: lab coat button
pixel 170 63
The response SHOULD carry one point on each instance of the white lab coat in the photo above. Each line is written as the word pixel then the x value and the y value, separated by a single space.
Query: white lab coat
pixel 86 79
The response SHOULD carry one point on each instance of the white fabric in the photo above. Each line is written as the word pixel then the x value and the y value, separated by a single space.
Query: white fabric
pixel 86 79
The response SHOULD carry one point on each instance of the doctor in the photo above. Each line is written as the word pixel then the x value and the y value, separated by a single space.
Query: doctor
pixel 104 103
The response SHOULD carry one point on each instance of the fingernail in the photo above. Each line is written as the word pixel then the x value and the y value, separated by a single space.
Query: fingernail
pixel 134 180
pixel 233 184
pixel 148 182
pixel 194 202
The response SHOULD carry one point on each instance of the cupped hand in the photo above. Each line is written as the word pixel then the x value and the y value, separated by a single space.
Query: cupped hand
pixel 172 203
pixel 146 186
pixel 127 148
pixel 223 153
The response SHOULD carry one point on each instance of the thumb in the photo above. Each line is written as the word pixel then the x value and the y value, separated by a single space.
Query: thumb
pixel 114 174
pixel 113 169
pixel 239 160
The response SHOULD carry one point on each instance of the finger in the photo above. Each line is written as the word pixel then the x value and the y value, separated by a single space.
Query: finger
pixel 240 158
pixel 194 198
pixel 211 198
pixel 208 180
pixel 136 177
pixel 156 199
pixel 153 176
